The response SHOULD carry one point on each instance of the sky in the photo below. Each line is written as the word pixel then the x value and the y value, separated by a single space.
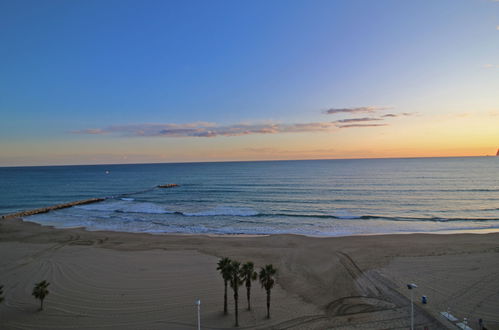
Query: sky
pixel 120 81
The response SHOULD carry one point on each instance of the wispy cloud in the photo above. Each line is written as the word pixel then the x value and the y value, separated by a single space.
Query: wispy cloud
pixel 357 120
pixel 368 109
pixel 491 66
pixel 91 131
pixel 214 130
pixel 395 115
pixel 209 129
pixel 361 125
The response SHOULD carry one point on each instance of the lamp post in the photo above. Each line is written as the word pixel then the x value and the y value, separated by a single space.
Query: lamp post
pixel 198 303
pixel 411 286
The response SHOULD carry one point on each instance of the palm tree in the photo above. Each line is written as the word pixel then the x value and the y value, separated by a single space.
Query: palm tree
pixel 267 281
pixel 235 282
pixel 40 291
pixel 224 267
pixel 248 274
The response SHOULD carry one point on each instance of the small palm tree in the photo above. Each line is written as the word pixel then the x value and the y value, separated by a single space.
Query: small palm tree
pixel 235 282
pixel 266 276
pixel 223 266
pixel 40 291
pixel 1 293
pixel 248 275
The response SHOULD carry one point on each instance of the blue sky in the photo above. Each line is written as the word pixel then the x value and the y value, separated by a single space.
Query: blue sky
pixel 70 68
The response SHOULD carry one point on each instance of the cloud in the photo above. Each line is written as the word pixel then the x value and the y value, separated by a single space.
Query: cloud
pixel 90 131
pixel 395 115
pixel 361 125
pixel 491 66
pixel 208 129
pixel 368 109
pixel 357 120
pixel 202 129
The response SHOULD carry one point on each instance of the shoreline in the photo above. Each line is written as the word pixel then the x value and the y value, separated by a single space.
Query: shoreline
pixel 215 233
pixel 340 281
pixel 476 231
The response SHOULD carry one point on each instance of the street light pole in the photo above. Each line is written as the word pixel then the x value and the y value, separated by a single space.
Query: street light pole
pixel 410 287
pixel 198 303
pixel 412 312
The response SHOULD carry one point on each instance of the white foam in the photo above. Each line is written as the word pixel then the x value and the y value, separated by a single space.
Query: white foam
pixel 133 216
pixel 127 199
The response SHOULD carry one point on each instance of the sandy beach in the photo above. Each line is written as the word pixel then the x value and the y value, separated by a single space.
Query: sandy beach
pixel 111 280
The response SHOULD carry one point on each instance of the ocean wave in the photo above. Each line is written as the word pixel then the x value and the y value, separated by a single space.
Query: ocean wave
pixel 223 211
pixel 129 205
pixel 252 225
pixel 469 190
pixel 374 217
pixel 229 211
pixel 126 207
pixel 343 214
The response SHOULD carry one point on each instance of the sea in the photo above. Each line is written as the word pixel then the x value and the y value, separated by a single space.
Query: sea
pixel 304 197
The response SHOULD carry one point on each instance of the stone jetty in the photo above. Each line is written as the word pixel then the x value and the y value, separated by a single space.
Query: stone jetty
pixel 51 208
pixel 81 202
pixel 168 185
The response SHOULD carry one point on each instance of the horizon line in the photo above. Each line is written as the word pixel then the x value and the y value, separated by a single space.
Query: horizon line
pixel 245 161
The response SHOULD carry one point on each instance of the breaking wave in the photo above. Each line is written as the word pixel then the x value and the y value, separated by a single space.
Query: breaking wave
pixel 131 206
pixel 224 211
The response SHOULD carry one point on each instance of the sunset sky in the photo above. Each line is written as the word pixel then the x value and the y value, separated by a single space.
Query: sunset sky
pixel 91 82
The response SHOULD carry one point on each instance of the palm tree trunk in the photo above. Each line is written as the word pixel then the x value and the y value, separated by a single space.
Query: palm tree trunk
pixel 41 304
pixel 268 304
pixel 248 295
pixel 236 296
pixel 225 298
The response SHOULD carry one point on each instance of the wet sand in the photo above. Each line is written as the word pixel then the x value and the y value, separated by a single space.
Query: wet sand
pixel 110 280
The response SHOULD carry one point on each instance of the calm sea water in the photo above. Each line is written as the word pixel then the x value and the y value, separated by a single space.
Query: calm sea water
pixel 319 197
